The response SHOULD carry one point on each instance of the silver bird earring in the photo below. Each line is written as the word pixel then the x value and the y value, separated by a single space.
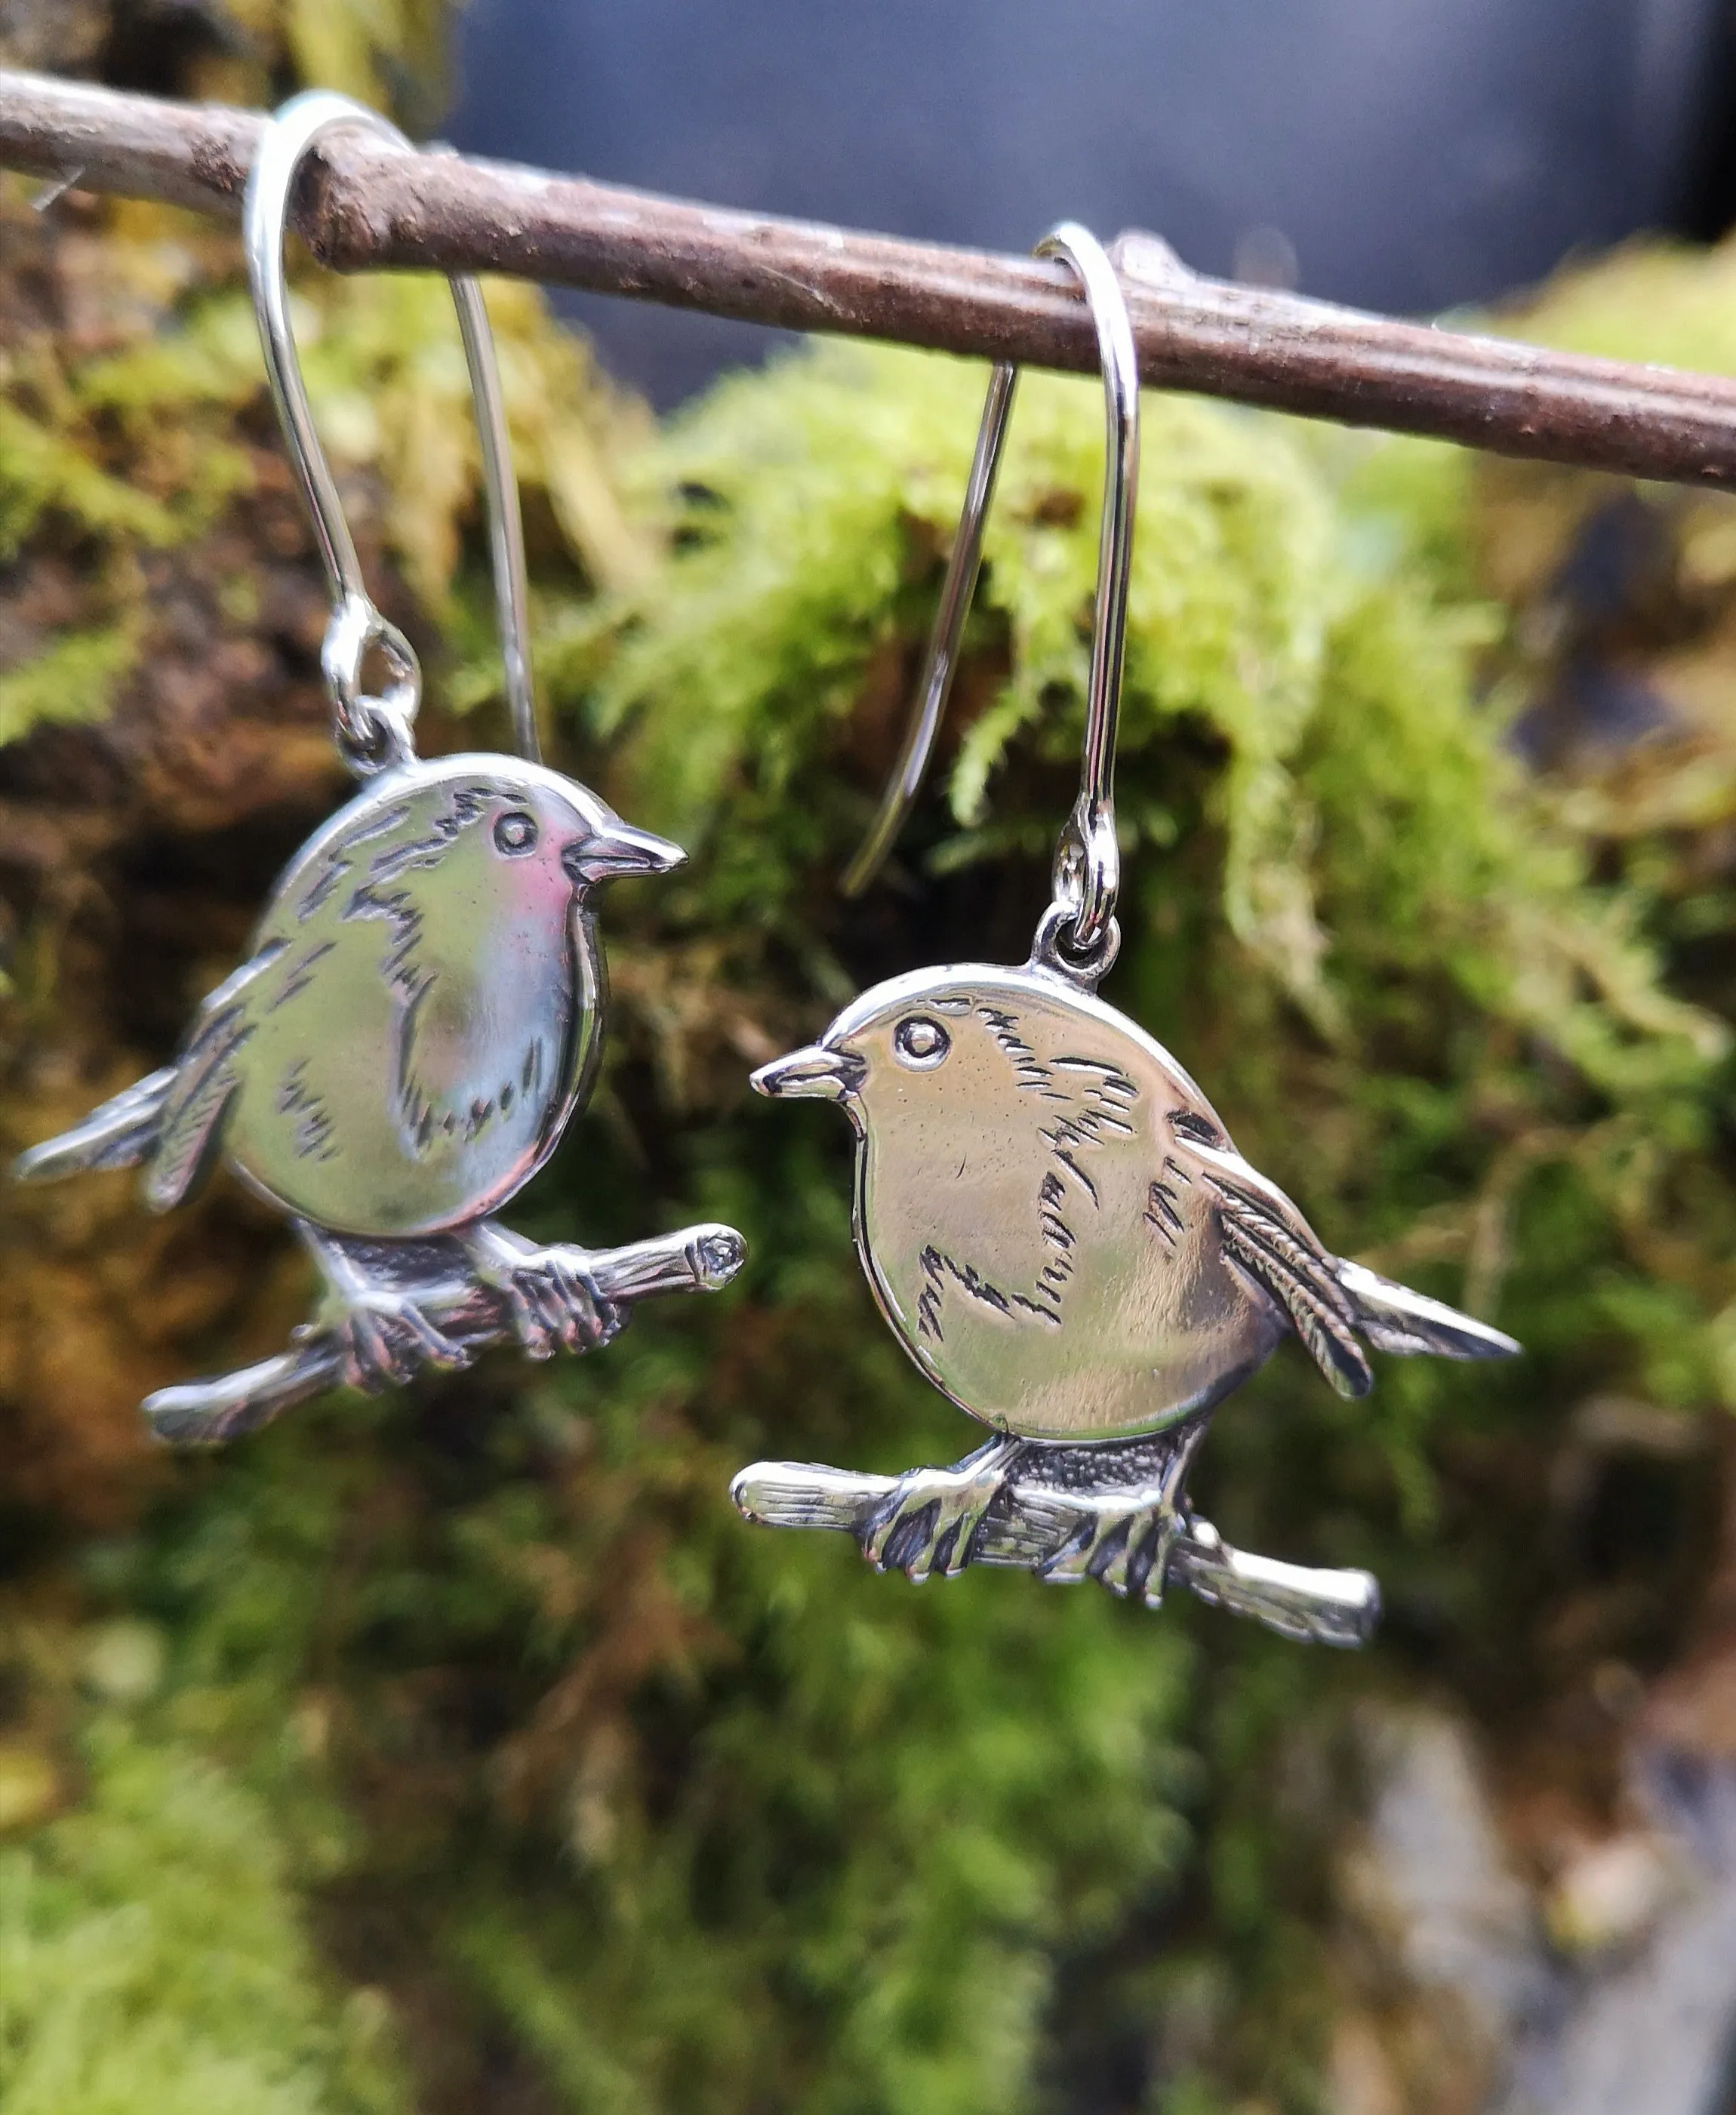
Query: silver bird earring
pixel 422 1010
pixel 1051 1213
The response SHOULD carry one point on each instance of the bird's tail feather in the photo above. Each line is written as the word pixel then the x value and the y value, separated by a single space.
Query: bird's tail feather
pixel 1394 1318
pixel 120 1133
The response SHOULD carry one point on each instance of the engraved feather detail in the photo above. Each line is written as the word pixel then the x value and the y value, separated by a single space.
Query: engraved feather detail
pixel 190 1132
pixel 1058 1227
pixel 1094 1100
pixel 1299 1278
pixel 421 1015
pixel 418 1018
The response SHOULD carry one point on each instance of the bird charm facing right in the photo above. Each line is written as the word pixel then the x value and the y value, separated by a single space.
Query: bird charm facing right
pixel 1053 1217
pixel 421 1015
pixel 422 1010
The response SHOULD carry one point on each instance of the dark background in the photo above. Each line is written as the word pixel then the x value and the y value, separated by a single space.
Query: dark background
pixel 1402 155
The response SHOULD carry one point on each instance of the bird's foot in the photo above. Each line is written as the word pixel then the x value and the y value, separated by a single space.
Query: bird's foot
pixel 1124 1542
pixel 384 1337
pixel 928 1521
pixel 551 1296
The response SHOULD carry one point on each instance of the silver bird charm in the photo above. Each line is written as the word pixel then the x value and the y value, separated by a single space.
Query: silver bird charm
pixel 422 1010
pixel 1052 1217
pixel 1057 1225
pixel 419 1016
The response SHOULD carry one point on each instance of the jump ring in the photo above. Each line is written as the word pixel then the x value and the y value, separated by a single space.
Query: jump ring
pixel 1055 947
pixel 356 628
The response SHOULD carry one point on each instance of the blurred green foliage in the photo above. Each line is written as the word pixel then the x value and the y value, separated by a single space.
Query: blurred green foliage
pixel 152 1955
pixel 483 1694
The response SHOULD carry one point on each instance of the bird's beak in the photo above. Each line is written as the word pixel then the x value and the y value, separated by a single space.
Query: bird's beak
pixel 617 849
pixel 814 1074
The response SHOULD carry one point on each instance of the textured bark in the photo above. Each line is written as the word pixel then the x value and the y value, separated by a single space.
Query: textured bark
pixel 375 205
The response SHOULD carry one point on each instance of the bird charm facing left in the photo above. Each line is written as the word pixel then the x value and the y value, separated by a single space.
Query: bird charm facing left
pixel 1052 1216
pixel 1056 1223
pixel 422 1010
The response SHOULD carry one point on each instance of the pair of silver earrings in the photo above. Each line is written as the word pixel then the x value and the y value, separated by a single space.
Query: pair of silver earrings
pixel 1050 1214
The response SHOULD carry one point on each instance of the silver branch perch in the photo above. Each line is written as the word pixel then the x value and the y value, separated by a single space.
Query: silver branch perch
pixel 696 1259
pixel 1030 1523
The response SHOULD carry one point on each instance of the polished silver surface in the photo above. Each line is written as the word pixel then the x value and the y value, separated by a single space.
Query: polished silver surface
pixel 1067 1242
pixel 1069 1514
pixel 1051 1216
pixel 374 731
pixel 1056 1223
pixel 589 1289
pixel 421 1011
pixel 1087 876
pixel 506 520
pixel 419 1015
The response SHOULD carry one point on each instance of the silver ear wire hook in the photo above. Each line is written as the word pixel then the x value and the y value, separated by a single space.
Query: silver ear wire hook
pixel 1087 869
pixel 373 731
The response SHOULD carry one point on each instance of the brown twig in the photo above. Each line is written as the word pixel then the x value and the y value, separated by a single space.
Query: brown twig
pixel 368 204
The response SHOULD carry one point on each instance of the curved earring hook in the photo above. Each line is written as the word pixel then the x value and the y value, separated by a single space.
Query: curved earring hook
pixel 375 731
pixel 1087 869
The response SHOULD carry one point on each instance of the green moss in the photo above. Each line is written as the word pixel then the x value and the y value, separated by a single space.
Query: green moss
pixel 152 1956
pixel 1650 301
pixel 73 680
pixel 147 447
pixel 42 467
pixel 1334 692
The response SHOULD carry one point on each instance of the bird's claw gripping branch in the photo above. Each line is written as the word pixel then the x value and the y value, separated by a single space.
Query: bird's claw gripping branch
pixel 1034 1525
pixel 469 1313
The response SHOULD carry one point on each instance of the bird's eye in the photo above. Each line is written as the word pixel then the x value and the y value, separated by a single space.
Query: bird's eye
pixel 921 1043
pixel 515 833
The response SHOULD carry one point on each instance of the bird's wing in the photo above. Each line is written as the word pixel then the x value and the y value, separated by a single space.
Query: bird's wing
pixel 312 899
pixel 1275 1245
pixel 204 1079
pixel 1043 1085
pixel 364 864
pixel 486 1036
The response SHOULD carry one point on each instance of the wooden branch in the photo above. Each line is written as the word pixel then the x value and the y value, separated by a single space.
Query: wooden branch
pixel 369 204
